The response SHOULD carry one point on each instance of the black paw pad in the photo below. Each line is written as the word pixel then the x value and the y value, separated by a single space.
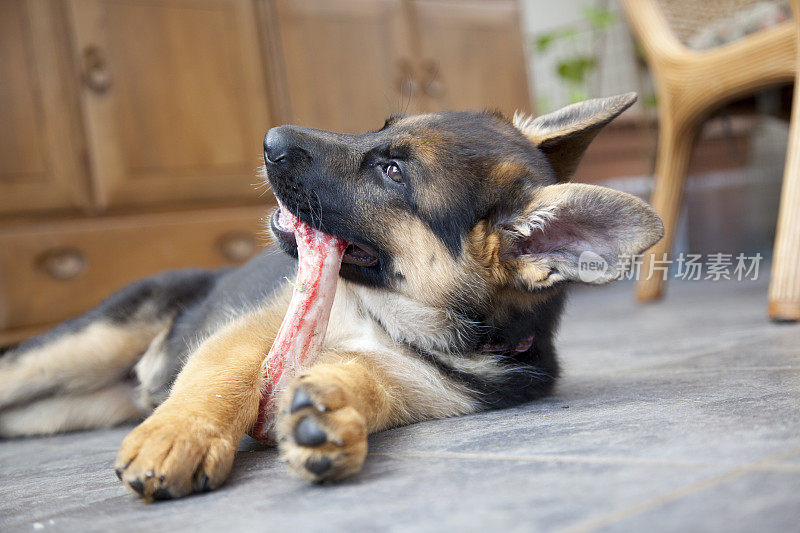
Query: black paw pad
pixel 137 485
pixel 118 472
pixel 308 433
pixel 162 494
pixel 202 485
pixel 318 466
pixel 300 400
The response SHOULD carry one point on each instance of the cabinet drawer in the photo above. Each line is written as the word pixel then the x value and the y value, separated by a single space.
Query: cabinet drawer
pixel 56 270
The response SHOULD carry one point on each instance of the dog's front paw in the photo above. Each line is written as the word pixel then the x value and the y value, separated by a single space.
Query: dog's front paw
pixel 169 456
pixel 320 435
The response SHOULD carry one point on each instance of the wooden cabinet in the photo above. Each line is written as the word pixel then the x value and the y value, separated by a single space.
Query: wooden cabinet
pixel 347 62
pixel 470 55
pixel 174 98
pixel 132 129
pixel 131 133
pixel 40 138
pixel 56 269
pixel 351 63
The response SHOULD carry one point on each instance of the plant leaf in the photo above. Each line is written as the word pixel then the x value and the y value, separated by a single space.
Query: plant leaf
pixel 600 19
pixel 544 41
pixel 576 69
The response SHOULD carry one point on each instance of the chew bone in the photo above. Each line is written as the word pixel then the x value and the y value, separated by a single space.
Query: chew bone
pixel 300 336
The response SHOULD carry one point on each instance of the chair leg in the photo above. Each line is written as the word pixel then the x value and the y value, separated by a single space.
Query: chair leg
pixel 672 161
pixel 784 287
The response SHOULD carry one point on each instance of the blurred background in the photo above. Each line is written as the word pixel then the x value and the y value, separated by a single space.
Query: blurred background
pixel 132 129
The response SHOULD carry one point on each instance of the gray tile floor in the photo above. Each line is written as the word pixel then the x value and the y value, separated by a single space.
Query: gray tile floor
pixel 678 416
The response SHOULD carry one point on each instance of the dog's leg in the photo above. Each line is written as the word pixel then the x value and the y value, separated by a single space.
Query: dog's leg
pixel 99 348
pixel 326 415
pixel 189 441
pixel 86 359
pixel 101 408
pixel 328 411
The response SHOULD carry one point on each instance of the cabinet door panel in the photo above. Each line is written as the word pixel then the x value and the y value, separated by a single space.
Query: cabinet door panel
pixel 40 144
pixel 175 98
pixel 472 55
pixel 347 62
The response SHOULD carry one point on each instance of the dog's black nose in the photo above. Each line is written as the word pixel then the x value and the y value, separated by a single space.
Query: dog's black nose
pixel 284 144
pixel 276 145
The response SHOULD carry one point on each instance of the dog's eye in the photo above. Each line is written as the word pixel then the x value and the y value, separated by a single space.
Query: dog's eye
pixel 393 172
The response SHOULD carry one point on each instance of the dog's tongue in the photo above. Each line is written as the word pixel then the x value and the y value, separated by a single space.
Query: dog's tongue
pixel 300 336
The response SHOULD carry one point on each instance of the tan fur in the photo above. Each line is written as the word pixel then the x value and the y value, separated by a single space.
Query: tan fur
pixel 426 144
pixel 86 360
pixel 367 378
pixel 391 356
pixel 572 119
pixel 586 206
pixel 369 382
pixel 508 170
pixel 489 245
pixel 213 402
pixel 429 269
pixel 151 368
pixel 506 279
pixel 563 135
pixel 98 409
pixel 417 389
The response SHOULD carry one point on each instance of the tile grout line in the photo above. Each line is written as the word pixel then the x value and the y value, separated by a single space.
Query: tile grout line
pixel 711 350
pixel 649 370
pixel 593 524
pixel 578 459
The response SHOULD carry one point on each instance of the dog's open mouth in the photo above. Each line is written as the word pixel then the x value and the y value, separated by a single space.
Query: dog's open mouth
pixel 354 254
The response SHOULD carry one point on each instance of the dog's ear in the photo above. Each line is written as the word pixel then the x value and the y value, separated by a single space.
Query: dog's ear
pixel 565 134
pixel 575 232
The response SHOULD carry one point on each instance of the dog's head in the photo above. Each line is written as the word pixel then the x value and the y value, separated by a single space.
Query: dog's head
pixel 460 208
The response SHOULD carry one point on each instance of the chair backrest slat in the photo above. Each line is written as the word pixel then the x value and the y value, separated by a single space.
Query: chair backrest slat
pixel 687 17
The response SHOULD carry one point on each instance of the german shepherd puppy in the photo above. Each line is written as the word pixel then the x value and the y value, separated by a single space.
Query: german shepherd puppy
pixel 464 237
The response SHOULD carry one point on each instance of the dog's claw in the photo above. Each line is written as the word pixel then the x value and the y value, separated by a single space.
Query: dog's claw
pixel 308 433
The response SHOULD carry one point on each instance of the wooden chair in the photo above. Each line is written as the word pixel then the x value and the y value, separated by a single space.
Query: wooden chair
pixel 690 84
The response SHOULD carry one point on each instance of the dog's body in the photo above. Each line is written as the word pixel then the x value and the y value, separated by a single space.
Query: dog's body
pixel 463 240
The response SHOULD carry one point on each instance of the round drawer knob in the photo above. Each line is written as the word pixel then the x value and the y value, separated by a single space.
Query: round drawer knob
pixel 63 263
pixel 237 246
pixel 432 84
pixel 96 74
